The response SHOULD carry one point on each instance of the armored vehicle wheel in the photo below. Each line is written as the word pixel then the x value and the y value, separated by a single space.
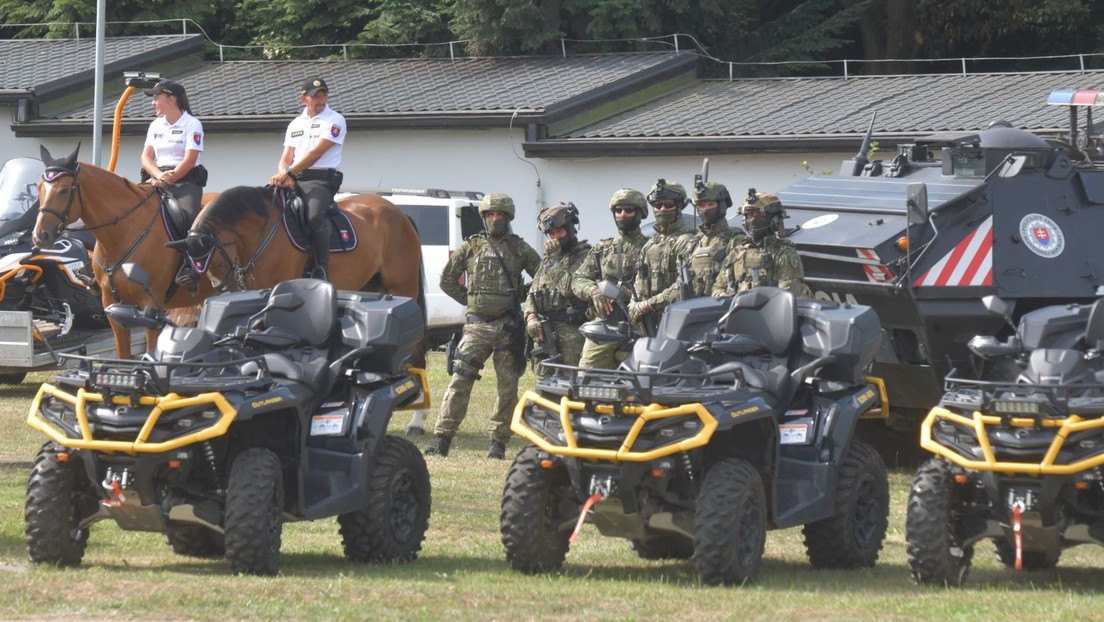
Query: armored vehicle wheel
pixel 254 509
pixel 195 541
pixel 853 535
pixel 731 523
pixel 393 525
pixel 58 496
pixel 1032 560
pixel 664 546
pixel 537 512
pixel 935 553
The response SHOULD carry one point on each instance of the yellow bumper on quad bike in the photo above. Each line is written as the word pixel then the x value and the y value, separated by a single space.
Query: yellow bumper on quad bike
pixel 159 405
pixel 625 453
pixel 978 422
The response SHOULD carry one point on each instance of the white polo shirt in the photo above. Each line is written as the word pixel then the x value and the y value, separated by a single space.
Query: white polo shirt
pixel 169 142
pixel 304 132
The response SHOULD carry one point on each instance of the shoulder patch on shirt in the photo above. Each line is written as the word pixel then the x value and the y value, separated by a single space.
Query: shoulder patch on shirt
pixel 335 131
pixel 197 138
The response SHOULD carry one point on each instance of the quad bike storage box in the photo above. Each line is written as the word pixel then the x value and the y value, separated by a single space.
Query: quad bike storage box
pixel 1054 327
pixel 690 320
pixel 393 326
pixel 851 333
pixel 222 313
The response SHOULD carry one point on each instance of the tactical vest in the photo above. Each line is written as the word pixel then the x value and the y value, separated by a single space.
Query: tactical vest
pixel 706 256
pixel 660 260
pixel 620 259
pixel 758 265
pixel 490 292
pixel 550 293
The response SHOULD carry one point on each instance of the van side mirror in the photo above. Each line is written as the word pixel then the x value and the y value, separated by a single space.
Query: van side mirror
pixel 917 204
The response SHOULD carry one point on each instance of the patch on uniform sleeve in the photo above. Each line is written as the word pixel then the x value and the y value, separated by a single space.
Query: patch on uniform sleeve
pixel 335 131
pixel 197 138
pixel 795 261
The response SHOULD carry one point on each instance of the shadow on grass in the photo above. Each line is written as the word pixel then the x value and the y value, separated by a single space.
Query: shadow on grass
pixel 775 575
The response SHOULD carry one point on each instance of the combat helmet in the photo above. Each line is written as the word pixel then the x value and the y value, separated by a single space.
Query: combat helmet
pixel 718 193
pixel 664 190
pixel 497 202
pixel 628 196
pixel 755 205
pixel 563 215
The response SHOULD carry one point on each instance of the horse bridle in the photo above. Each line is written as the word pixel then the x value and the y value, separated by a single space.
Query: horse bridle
pixel 238 272
pixel 51 175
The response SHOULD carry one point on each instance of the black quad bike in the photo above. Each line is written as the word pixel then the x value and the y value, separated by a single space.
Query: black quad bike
pixel 737 418
pixel 1018 453
pixel 274 408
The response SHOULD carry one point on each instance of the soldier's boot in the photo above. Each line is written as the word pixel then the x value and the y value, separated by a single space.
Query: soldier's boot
pixel 439 446
pixel 497 450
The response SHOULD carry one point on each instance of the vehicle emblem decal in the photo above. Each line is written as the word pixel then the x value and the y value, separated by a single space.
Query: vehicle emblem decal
pixel 970 262
pixel 820 221
pixel 1042 236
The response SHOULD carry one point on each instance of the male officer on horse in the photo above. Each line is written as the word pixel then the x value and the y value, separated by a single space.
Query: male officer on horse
pixel 312 155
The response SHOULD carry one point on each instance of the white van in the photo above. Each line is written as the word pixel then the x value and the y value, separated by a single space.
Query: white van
pixel 443 219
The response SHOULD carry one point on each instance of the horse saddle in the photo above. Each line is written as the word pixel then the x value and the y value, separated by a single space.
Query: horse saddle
pixel 177 221
pixel 343 236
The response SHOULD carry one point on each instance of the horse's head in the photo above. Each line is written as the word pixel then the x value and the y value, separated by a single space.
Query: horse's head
pixel 59 197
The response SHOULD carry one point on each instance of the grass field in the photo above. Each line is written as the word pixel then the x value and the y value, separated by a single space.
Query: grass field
pixel 461 573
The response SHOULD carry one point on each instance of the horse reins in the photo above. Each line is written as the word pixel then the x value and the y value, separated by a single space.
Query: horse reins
pixel 240 271
pixel 51 176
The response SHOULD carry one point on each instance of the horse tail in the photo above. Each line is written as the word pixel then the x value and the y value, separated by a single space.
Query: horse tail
pixel 422 301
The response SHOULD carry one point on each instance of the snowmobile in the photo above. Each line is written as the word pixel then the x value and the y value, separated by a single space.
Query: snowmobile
pixel 1018 452
pixel 274 408
pixel 735 419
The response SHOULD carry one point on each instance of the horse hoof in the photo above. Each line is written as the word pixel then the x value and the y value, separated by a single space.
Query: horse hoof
pixel 415 430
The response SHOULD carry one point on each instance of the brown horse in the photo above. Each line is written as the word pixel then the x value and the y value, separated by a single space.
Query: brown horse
pixel 126 220
pixel 240 241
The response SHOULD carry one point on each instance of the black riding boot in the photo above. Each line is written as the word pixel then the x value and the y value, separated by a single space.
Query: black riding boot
pixel 320 239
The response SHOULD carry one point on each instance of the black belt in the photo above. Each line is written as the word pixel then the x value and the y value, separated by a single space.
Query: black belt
pixel 312 174
pixel 570 315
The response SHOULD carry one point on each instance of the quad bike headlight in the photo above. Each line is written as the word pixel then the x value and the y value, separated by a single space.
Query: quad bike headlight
pixel 603 393
pixel 117 381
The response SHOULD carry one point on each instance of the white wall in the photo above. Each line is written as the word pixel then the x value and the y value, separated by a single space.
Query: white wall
pixel 484 160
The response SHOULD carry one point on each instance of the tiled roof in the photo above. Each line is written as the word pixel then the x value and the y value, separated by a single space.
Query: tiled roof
pixel 797 107
pixel 367 87
pixel 22 65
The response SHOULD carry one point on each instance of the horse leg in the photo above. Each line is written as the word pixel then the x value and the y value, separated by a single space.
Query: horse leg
pixel 122 341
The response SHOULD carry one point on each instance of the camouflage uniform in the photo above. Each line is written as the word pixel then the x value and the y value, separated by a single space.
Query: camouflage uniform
pixel 768 262
pixel 615 259
pixel 494 322
pixel 713 243
pixel 661 258
pixel 761 259
pixel 550 295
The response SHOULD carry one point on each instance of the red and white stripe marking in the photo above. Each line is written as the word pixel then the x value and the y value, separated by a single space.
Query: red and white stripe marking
pixel 874 273
pixel 968 263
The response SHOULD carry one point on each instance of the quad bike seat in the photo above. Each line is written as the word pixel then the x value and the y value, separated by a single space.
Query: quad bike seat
pixel 300 312
pixel 760 328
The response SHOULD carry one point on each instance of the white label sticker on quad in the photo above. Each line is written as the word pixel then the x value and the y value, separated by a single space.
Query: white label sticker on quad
pixel 819 221
pixel 1042 236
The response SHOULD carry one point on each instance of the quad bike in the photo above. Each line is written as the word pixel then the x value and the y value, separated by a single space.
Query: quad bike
pixel 1018 453
pixel 735 419
pixel 274 408
pixel 49 283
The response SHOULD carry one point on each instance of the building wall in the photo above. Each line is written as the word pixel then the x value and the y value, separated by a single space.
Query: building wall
pixel 483 160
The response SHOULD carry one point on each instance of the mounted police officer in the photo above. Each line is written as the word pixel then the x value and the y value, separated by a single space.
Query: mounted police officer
pixel 552 310
pixel 660 256
pixel 492 263
pixel 614 259
pixel 762 258
pixel 312 155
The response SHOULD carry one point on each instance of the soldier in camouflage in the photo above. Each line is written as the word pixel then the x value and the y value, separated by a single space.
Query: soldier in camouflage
pixel 660 257
pixel 550 297
pixel 713 243
pixel 762 258
pixel 613 259
pixel 492 263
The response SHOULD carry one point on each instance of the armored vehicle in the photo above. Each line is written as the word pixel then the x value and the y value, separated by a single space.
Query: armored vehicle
pixel 950 219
